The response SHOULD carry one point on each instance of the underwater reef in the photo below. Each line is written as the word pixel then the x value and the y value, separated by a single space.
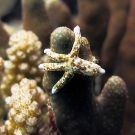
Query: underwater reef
pixel 65 73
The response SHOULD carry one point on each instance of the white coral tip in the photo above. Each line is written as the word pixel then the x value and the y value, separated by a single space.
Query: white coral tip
pixel 101 70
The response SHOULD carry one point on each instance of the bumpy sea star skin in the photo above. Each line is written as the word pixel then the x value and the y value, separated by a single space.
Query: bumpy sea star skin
pixel 70 63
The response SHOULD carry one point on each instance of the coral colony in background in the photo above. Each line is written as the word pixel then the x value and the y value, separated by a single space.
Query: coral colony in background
pixel 59 92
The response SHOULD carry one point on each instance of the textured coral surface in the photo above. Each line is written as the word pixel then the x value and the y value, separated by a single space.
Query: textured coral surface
pixel 24 114
pixel 24 56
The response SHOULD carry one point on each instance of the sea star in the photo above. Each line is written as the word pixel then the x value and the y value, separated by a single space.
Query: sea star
pixel 70 63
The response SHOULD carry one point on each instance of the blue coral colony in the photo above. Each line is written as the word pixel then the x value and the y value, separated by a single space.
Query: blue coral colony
pixel 70 63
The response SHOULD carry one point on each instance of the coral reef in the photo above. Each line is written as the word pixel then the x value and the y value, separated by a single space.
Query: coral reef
pixel 76 106
pixel 109 27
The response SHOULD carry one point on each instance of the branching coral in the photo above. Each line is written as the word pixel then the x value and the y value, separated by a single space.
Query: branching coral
pixel 103 22
pixel 75 105
pixel 24 56
pixel 24 114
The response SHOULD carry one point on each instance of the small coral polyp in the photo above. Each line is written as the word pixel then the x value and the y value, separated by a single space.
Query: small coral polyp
pixel 71 63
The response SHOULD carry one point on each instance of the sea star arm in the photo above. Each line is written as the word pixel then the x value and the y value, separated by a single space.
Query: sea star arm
pixel 77 43
pixel 53 66
pixel 56 56
pixel 64 79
